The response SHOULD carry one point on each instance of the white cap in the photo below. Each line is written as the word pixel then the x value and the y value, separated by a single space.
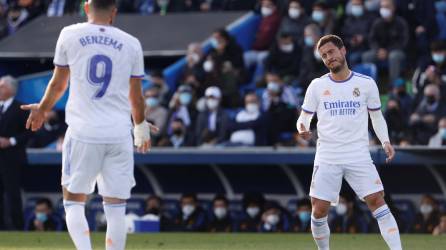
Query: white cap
pixel 213 91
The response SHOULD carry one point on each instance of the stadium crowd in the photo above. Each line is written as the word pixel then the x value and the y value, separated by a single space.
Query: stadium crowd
pixel 252 214
pixel 230 97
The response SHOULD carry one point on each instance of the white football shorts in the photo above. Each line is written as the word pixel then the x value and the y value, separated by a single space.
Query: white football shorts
pixel 327 180
pixel 109 165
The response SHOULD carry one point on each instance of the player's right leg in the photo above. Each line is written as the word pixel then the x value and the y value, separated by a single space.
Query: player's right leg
pixel 81 164
pixel 325 186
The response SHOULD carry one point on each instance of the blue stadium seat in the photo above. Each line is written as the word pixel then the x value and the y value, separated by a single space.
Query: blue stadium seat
pixel 368 69
pixel 94 209
pixel 171 207
pixel 407 212
pixel 136 206
pixel 292 206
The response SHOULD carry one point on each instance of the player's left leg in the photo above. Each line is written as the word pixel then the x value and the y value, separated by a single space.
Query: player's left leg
pixel 386 221
pixel 114 184
pixel 365 181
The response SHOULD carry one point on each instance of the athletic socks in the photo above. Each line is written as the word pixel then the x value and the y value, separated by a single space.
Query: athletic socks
pixel 321 232
pixel 116 231
pixel 77 224
pixel 388 227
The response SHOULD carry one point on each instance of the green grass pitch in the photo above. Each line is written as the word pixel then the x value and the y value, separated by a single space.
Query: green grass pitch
pixel 204 241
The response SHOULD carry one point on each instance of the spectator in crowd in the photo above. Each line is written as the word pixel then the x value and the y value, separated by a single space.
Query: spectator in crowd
pixel 250 126
pixel 440 7
pixel 265 35
pixel 397 121
pixel 399 93
pixel 424 120
pixel 43 218
pixel 284 57
pixel 53 128
pixel 154 210
pixel 239 4
pixel 220 220
pixel 439 139
pixel 277 91
pixel 428 216
pixel 273 220
pixel 228 53
pixel 220 74
pixel 17 16
pixel 324 17
pixel 212 123
pixel 422 23
pixel 294 23
pixel 388 37
pixel 311 65
pixel 63 7
pixel 156 80
pixel 252 211
pixel 302 216
pixel 192 217
pixel 194 63
pixel 3 20
pixel 13 139
pixel 432 73
pixel 441 228
pixel 182 106
pixel 180 136
pixel 348 219
pixel 355 31
pixel 155 113
pixel 372 5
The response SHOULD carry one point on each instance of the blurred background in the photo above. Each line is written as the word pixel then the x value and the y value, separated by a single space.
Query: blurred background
pixel 225 80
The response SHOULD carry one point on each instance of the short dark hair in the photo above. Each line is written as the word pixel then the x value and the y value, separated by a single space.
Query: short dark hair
pixel 438 45
pixel 220 197
pixel 336 40
pixel 189 195
pixel 45 201
pixel 102 4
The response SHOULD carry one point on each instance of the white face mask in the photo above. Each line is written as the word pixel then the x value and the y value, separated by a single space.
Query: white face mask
pixel 357 10
pixel 220 212
pixel 341 209
pixel 212 104
pixel 208 66
pixel 385 12
pixel 287 48
pixel 253 211
pixel 188 210
pixel 272 219
pixel 294 13
pixel 266 11
pixel 426 209
pixel 318 16
pixel 252 108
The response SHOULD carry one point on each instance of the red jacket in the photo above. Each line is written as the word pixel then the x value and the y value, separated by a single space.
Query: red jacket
pixel 267 31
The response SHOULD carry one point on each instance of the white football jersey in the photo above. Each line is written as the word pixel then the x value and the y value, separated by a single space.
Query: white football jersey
pixel 102 59
pixel 342 111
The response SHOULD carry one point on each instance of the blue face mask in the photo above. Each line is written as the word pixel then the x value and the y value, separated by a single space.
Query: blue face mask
pixel 318 16
pixel 357 10
pixel 440 6
pixel 304 216
pixel 443 133
pixel 214 43
pixel 308 40
pixel 274 87
pixel 42 217
pixel 438 58
pixel 185 98
pixel 152 102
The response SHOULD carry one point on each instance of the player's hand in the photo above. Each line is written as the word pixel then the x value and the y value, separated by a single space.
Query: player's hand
pixel 303 131
pixel 390 152
pixel 141 132
pixel 36 116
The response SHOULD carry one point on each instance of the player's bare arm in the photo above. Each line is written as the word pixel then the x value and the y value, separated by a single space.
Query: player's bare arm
pixel 142 127
pixel 54 91
pixel 380 127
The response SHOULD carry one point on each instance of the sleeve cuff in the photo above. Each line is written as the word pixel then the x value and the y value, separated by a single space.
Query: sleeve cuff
pixel 307 111
pixel 62 65
pixel 374 109
pixel 13 141
pixel 137 76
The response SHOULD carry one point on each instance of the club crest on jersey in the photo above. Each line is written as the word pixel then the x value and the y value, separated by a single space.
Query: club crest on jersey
pixel 356 92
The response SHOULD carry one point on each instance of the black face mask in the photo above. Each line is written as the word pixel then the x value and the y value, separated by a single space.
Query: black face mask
pixel 153 211
pixel 430 99
pixel 177 131
pixel 402 93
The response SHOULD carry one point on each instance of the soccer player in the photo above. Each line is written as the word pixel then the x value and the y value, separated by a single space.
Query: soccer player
pixel 105 66
pixel 342 100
